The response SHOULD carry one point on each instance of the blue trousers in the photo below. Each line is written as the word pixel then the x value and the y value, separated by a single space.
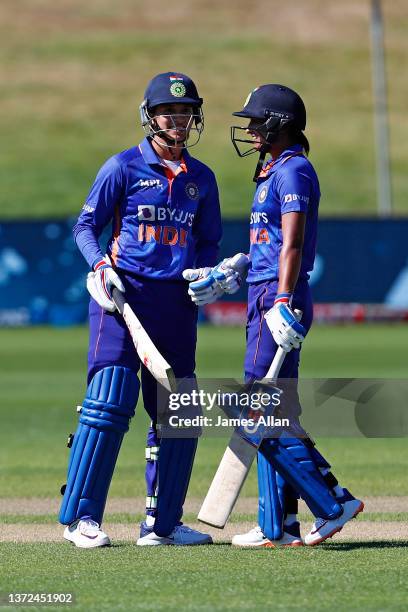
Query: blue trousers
pixel 260 351
pixel 170 318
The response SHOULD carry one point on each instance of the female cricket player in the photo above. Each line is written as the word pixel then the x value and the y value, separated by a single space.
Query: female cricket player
pixel 163 208
pixel 283 229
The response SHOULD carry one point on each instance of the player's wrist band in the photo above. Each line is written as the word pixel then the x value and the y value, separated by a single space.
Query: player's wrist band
pixel 100 264
pixel 283 298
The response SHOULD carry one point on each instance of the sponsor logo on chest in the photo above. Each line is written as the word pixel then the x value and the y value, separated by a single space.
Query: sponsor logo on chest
pixel 149 212
pixel 258 217
pixel 149 183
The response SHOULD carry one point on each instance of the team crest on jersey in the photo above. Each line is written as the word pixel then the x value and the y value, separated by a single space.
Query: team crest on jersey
pixel 146 212
pixel 192 191
pixel 262 194
pixel 178 89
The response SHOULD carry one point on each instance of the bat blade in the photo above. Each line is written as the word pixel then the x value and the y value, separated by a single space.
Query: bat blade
pixel 233 468
pixel 148 353
pixel 227 483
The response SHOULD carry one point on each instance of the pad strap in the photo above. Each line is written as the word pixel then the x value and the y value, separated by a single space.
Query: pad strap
pixel 292 459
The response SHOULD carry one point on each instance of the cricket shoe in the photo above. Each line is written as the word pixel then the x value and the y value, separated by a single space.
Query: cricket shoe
pixel 180 536
pixel 86 533
pixel 323 529
pixel 256 539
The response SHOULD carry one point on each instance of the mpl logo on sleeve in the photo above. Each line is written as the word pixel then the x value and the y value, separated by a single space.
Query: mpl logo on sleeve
pixel 146 212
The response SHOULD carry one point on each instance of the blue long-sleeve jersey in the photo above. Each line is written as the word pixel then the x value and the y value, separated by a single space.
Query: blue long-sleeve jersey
pixel 161 222
pixel 287 184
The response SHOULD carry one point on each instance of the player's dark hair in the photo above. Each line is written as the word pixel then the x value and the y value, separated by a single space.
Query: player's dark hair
pixel 298 137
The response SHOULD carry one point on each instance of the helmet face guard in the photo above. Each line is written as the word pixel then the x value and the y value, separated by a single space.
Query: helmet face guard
pixel 274 106
pixel 194 126
pixel 269 130
pixel 172 88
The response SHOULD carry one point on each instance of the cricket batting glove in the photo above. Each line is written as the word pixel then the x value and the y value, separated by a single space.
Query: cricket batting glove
pixel 283 323
pixel 203 288
pixel 208 284
pixel 231 272
pixel 100 283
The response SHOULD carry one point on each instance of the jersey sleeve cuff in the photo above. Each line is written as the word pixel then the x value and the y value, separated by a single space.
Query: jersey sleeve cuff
pixel 283 298
pixel 99 263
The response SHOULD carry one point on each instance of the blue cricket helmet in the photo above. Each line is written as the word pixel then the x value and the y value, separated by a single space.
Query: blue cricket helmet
pixel 171 88
pixel 275 102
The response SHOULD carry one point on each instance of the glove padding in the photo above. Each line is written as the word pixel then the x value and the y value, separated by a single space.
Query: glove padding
pixel 285 327
pixel 231 272
pixel 100 283
pixel 208 284
pixel 203 288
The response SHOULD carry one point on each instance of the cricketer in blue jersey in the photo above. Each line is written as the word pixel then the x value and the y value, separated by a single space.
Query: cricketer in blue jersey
pixel 283 231
pixel 163 209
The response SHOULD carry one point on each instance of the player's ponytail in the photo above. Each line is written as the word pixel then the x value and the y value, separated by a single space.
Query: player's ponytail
pixel 298 137
pixel 304 142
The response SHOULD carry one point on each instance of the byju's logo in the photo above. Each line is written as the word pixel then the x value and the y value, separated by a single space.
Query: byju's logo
pixel 292 197
pixel 146 212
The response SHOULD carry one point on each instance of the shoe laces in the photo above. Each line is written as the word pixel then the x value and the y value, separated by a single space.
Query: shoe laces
pixel 183 528
pixel 88 526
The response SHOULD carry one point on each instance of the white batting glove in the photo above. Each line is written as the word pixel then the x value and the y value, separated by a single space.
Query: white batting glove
pixel 100 283
pixel 231 272
pixel 203 288
pixel 284 324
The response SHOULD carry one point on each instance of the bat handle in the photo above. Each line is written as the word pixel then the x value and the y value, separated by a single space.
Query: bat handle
pixel 274 369
pixel 119 299
pixel 273 372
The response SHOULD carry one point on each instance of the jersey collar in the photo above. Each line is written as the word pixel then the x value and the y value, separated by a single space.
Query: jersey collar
pixel 273 164
pixel 151 158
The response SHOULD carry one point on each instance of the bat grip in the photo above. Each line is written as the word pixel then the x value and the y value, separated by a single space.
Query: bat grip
pixel 273 372
pixel 274 369
pixel 118 299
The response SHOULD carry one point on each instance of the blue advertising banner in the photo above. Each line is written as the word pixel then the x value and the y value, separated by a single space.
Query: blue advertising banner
pixel 42 274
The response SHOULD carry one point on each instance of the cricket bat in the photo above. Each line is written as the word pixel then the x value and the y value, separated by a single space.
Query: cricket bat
pixel 147 351
pixel 234 468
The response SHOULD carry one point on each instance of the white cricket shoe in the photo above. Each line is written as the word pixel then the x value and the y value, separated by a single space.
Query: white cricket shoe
pixel 323 529
pixel 180 536
pixel 256 539
pixel 86 533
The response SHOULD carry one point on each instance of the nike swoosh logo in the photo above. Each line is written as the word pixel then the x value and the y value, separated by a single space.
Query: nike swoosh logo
pixel 322 525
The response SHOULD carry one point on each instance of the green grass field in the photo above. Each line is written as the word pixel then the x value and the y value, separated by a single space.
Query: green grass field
pixel 42 380
pixel 73 76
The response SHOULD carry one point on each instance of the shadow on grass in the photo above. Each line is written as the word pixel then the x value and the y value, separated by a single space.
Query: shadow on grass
pixel 341 546
pixel 332 546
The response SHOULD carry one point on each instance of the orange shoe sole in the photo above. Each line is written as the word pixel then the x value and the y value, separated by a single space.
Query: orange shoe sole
pixel 332 533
